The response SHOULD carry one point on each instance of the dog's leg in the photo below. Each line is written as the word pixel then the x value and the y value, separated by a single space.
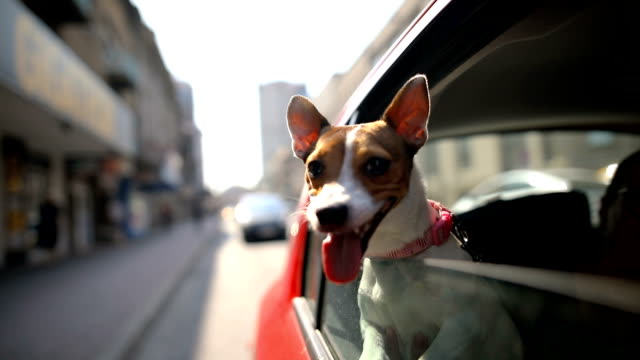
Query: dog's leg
pixel 455 338
pixel 470 335
pixel 379 342
pixel 378 345
pixel 419 345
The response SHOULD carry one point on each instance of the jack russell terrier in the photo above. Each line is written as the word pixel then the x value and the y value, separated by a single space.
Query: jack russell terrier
pixel 368 196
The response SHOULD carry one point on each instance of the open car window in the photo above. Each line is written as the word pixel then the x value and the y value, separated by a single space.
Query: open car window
pixel 531 114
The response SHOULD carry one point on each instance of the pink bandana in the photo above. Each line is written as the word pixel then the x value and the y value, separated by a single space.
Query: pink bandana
pixel 437 234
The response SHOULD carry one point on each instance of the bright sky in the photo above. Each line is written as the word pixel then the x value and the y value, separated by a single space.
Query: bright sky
pixel 225 50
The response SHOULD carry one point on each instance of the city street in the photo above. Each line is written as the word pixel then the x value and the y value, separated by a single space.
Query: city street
pixel 214 311
pixel 189 293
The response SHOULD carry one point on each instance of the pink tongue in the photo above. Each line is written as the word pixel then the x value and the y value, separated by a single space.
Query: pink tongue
pixel 341 257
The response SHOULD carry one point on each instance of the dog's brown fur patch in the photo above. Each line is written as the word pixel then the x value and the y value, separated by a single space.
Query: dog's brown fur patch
pixel 382 141
pixel 330 151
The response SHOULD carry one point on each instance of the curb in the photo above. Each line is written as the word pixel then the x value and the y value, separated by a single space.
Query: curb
pixel 129 338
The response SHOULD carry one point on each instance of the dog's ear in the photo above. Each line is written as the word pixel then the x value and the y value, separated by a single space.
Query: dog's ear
pixel 305 125
pixel 408 113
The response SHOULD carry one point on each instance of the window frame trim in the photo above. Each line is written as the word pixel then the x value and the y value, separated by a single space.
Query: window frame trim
pixel 314 339
pixel 616 293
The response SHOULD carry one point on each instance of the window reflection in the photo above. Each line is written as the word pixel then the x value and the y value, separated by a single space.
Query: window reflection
pixel 581 157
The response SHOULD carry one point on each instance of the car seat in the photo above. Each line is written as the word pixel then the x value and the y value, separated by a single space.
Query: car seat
pixel 550 231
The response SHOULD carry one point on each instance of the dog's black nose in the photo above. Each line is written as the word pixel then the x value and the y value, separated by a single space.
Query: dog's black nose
pixel 333 215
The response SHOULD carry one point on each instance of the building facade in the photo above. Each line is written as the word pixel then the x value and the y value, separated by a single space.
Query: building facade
pixel 340 87
pixel 453 166
pixel 191 152
pixel 92 132
pixel 274 98
pixel 282 173
pixel 191 138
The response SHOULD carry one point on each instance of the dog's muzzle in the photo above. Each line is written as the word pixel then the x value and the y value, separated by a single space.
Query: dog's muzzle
pixel 342 252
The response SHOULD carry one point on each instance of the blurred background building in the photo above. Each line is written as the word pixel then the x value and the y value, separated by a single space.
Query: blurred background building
pixel 98 140
pixel 442 162
pixel 282 172
pixel 335 94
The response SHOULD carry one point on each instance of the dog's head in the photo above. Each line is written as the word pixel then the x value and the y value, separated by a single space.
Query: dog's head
pixel 356 174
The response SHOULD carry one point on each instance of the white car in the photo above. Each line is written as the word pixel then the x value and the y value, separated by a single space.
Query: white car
pixel 262 216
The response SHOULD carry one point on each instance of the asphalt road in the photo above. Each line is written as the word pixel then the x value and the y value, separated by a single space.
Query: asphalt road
pixel 189 293
pixel 213 313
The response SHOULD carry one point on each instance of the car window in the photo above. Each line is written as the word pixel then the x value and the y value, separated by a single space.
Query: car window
pixel 312 268
pixel 568 156
pixel 340 319
pixel 541 314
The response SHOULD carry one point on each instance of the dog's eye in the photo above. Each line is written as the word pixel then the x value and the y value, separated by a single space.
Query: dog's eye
pixel 376 166
pixel 315 169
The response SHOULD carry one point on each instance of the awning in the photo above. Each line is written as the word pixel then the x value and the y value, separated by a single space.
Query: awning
pixel 37 65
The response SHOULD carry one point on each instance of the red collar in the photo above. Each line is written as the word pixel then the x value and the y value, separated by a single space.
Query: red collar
pixel 437 234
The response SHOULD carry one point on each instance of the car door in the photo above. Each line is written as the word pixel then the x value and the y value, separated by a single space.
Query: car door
pixel 559 310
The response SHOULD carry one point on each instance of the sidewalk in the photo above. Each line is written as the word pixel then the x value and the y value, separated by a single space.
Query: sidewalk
pixel 95 306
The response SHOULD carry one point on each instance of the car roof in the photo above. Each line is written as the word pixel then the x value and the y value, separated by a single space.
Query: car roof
pixel 546 65
pixel 257 197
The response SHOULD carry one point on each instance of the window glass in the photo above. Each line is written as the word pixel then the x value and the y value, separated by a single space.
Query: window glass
pixel 547 324
pixel 431 160
pixel 313 267
pixel 553 158
pixel 340 323
pixel 463 153
pixel 514 186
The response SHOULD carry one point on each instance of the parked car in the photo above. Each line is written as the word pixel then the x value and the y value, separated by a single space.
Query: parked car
pixel 513 83
pixel 513 184
pixel 262 216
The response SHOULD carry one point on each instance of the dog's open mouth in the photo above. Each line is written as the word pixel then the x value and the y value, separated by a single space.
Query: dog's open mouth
pixel 342 252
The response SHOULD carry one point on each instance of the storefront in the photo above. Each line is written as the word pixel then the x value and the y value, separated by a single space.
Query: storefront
pixel 59 123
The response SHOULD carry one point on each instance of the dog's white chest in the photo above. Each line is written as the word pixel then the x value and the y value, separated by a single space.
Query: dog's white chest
pixel 402 295
pixel 394 294
pixel 415 303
